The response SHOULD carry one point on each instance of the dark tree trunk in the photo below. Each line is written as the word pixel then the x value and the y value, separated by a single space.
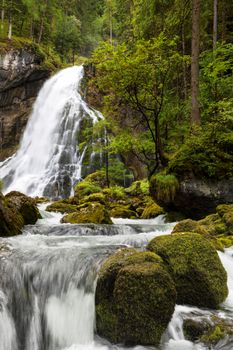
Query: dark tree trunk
pixel 215 24
pixel 195 113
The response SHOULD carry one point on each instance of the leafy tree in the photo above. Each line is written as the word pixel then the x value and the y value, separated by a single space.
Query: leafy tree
pixel 135 81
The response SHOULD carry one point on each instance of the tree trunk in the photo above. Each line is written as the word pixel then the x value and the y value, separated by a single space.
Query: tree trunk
pixel 2 15
pixel 215 24
pixel 10 22
pixel 183 63
pixel 32 29
pixel 106 158
pixel 42 23
pixel 195 113
pixel 223 20
pixel 110 25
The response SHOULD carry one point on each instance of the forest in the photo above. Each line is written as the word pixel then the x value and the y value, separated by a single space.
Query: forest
pixel 162 68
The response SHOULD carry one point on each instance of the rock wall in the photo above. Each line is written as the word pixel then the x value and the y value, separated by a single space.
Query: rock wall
pixel 21 77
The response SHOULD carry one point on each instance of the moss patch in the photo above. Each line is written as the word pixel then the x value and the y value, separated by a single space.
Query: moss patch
pixel 135 298
pixel 92 212
pixel 195 267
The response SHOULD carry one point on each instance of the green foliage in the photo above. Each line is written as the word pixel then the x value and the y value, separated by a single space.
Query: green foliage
pixel 136 81
pixel 209 150
pixel 165 186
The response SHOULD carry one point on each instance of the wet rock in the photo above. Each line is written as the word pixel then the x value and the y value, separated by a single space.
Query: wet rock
pixel 195 267
pixel 135 298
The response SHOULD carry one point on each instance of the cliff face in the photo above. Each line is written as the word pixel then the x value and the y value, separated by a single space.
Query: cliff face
pixel 21 77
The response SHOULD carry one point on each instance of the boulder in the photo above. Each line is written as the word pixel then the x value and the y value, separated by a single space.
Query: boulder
pixel 92 212
pixel 121 211
pixel 210 330
pixel 61 207
pixel 195 197
pixel 16 210
pixel 25 205
pixel 151 211
pixel 135 298
pixel 11 221
pixel 196 269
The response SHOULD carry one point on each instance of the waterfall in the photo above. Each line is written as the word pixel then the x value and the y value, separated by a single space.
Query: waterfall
pixel 48 162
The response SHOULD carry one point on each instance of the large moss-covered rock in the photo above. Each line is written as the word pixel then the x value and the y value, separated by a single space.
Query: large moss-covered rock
pixel 16 210
pixel 135 298
pixel 121 211
pixel 93 212
pixel 225 211
pixel 61 206
pixel 11 221
pixel 25 205
pixel 151 211
pixel 195 267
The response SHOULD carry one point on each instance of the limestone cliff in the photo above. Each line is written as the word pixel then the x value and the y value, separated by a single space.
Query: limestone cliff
pixel 22 73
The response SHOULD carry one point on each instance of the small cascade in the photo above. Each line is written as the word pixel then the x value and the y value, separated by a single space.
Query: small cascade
pixel 48 278
pixel 48 162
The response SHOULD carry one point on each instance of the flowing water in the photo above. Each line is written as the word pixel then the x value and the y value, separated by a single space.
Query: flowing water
pixel 48 278
pixel 48 161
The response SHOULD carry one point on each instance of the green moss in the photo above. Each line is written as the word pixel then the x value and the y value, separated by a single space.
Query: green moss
pixel 114 193
pixel 61 207
pixel 86 188
pixel 214 225
pixel 151 211
pixel 187 225
pixel 194 329
pixel 120 211
pixel 226 241
pixel 145 298
pixel 164 186
pixel 224 209
pixel 25 205
pixel 135 298
pixel 92 212
pixel 95 197
pixel 196 268
pixel 214 336
pixel 138 188
pixel 16 210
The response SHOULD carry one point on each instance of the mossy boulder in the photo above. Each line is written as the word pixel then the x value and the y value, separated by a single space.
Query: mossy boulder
pixel 85 188
pixel 138 188
pixel 121 211
pixel 93 212
pixel 208 330
pixel 151 211
pixel 25 205
pixel 114 194
pixel 188 225
pixel 95 197
pixel 195 267
pixel 61 207
pixel 225 211
pixel 135 298
pixel 11 221
pixel 16 210
pixel 210 228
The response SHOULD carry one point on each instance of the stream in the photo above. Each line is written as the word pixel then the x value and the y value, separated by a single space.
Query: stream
pixel 48 279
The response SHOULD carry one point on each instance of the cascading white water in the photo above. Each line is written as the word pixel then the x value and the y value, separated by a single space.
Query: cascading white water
pixel 48 161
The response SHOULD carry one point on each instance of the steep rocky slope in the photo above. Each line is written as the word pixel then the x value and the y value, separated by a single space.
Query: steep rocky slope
pixel 23 70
